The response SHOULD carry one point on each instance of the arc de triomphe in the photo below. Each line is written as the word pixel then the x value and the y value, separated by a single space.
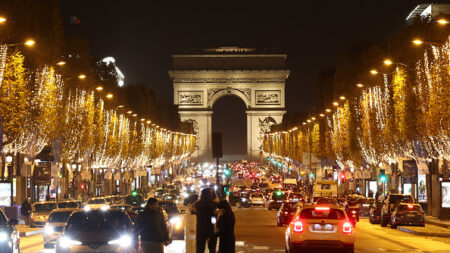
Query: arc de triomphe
pixel 201 78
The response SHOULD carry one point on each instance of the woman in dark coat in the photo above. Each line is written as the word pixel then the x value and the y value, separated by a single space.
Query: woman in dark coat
pixel 225 227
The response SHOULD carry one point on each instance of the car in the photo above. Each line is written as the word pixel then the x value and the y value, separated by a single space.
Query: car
pixel 40 212
pixel 366 205
pixel 286 212
pixel 407 214
pixel 134 199
pixel 97 230
pixel 320 227
pixel 294 197
pixel 69 204
pixel 9 236
pixel 55 225
pixel 176 218
pixel 190 199
pixel 99 202
pixel 375 212
pixel 276 200
pixel 257 199
pixel 390 204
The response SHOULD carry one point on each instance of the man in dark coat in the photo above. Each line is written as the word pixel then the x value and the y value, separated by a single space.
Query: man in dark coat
pixel 25 210
pixel 205 209
pixel 152 227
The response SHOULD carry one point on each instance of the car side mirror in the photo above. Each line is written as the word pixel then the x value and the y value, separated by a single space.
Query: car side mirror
pixel 13 222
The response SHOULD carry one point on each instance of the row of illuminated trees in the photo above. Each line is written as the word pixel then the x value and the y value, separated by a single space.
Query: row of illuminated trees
pixel 37 107
pixel 403 113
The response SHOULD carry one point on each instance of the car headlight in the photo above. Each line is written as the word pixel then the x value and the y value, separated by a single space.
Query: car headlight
pixel 48 230
pixel 3 236
pixel 66 242
pixel 176 221
pixel 124 241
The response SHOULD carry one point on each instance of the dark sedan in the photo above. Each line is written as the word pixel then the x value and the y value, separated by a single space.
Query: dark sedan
pixel 286 212
pixel 408 214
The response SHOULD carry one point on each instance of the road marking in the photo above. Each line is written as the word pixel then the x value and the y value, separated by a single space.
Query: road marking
pixel 261 247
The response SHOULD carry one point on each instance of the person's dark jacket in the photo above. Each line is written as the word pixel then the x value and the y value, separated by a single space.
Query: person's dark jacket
pixel 25 209
pixel 204 210
pixel 225 226
pixel 151 226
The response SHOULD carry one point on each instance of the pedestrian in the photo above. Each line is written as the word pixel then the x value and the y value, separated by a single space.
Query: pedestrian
pixel 204 208
pixel 225 227
pixel 152 227
pixel 25 210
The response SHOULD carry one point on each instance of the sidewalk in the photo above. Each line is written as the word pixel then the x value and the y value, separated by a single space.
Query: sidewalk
pixel 437 222
pixel 25 231
pixel 428 230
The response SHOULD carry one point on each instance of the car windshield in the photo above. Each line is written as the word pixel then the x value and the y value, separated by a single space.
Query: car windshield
pixel 332 214
pixel 257 195
pixel 393 199
pixel 59 216
pixel 96 201
pixel 68 204
pixel 409 208
pixel 170 208
pixel 98 221
pixel 44 207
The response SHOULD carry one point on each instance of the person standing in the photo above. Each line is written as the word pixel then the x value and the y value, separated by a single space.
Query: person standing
pixel 25 210
pixel 152 227
pixel 204 209
pixel 225 227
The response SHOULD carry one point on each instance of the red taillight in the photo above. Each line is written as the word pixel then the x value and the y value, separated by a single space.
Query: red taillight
pixel 347 228
pixel 298 226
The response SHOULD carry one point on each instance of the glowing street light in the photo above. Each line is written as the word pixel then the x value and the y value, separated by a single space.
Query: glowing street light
pixel 109 96
pixel 99 88
pixel 442 21
pixel 388 62
pixel 359 85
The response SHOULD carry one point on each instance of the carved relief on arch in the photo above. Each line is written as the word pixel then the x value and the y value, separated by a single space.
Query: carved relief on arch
pixel 244 94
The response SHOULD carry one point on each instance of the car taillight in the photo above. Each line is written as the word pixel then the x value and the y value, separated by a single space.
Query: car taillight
pixel 347 228
pixel 298 226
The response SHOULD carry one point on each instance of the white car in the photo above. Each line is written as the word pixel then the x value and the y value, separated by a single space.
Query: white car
pixel 257 199
pixel 320 226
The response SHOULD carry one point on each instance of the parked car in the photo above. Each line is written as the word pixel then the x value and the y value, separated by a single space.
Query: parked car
pixel 375 212
pixel 407 214
pixel 97 230
pixel 390 204
pixel 40 212
pixel 9 239
pixel 366 205
pixel 55 225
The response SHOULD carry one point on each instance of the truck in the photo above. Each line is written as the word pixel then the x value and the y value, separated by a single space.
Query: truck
pixel 325 188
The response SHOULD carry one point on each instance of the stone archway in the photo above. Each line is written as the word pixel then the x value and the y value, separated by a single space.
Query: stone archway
pixel 201 78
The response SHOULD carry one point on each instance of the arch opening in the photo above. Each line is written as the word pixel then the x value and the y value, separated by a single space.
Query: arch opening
pixel 230 118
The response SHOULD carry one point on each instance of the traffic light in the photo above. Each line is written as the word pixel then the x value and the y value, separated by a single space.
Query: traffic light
pixel 382 176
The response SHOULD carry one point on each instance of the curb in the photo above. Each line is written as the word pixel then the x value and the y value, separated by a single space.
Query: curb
pixel 436 223
pixel 30 233
pixel 407 230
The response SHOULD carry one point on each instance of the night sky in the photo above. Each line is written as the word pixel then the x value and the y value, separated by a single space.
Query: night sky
pixel 142 34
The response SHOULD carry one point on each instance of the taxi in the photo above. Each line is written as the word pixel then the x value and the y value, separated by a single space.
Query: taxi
pixel 318 226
